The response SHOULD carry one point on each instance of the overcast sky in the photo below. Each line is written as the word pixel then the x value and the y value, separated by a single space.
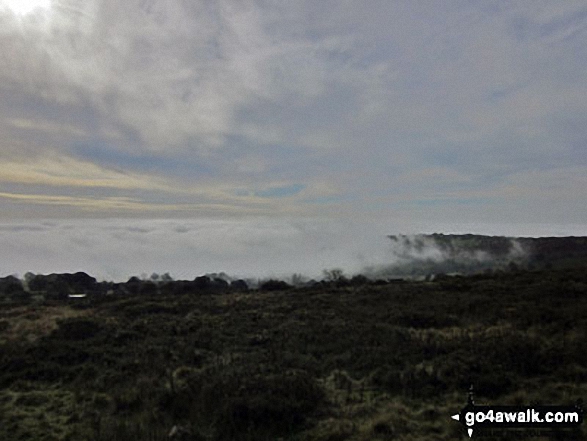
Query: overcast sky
pixel 281 118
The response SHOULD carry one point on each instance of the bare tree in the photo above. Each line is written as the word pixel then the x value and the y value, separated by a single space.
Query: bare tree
pixel 333 275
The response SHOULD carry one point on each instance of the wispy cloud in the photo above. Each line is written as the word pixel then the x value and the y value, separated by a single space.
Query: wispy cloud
pixel 64 171
pixel 391 109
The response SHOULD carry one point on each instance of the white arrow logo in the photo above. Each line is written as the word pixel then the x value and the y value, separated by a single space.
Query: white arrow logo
pixel 457 417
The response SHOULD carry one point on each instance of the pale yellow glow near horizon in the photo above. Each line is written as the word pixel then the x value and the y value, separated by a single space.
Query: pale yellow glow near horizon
pixel 24 7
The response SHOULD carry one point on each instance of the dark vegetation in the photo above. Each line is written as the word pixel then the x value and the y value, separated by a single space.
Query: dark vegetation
pixel 355 359
pixel 428 254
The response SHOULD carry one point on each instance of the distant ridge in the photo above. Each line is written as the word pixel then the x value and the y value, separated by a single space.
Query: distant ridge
pixel 424 254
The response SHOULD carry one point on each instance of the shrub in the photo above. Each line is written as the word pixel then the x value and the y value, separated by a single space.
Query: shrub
pixel 274 285
pixel 239 285
pixel 77 329
pixel 359 280
pixel 275 404
pixel 148 288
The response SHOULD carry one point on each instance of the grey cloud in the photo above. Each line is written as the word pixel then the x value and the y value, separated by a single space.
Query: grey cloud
pixel 260 247
pixel 255 247
pixel 172 70
pixel 341 96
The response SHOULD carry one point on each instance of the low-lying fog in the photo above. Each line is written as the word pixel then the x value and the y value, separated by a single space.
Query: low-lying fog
pixel 259 247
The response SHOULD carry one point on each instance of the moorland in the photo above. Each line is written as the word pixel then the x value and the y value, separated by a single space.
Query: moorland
pixel 340 359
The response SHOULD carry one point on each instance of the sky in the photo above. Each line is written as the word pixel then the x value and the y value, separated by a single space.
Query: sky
pixel 271 137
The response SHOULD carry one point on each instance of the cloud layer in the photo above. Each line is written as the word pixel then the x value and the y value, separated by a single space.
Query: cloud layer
pixel 116 249
pixel 456 111
pixel 258 247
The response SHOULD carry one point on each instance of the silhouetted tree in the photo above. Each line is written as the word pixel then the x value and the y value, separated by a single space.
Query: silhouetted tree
pixel 148 288
pixel 202 283
pixel 274 285
pixel 37 283
pixel 359 280
pixel 239 285
pixel 333 275
pixel 10 285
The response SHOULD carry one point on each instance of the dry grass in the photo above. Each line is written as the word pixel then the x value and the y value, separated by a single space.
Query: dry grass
pixel 29 324
pixel 459 333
